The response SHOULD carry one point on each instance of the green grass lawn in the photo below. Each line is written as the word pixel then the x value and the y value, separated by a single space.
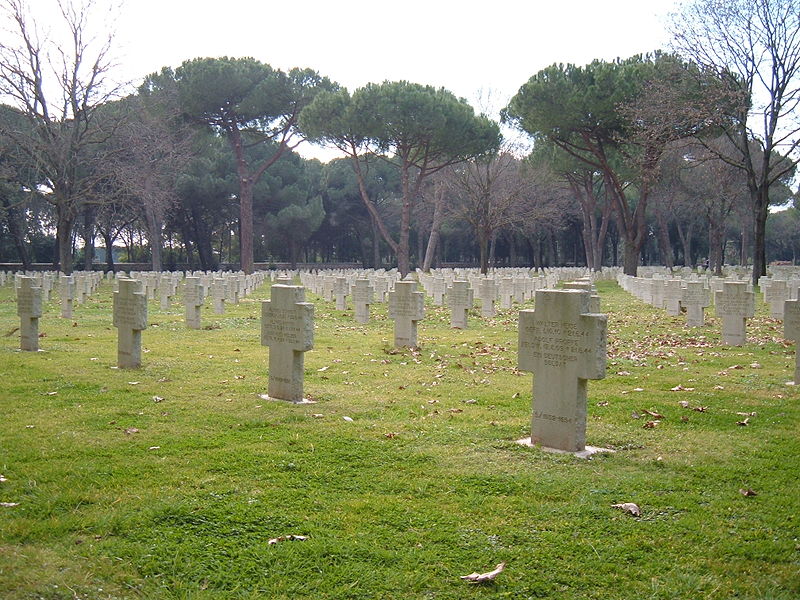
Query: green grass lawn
pixel 170 480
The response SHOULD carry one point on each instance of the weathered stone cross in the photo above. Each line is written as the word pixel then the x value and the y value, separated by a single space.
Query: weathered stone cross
pixel 564 345
pixel 735 304
pixel 460 299
pixel 791 331
pixel 362 298
pixel 130 318
pixel 287 327
pixel 29 309
pixel 193 302
pixel 406 307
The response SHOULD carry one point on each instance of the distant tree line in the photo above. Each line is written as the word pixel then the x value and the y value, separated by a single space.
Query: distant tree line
pixel 670 159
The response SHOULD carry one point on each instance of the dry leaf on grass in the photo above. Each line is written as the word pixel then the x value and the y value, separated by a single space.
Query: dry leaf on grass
pixel 684 403
pixel 650 424
pixel 288 538
pixel 747 492
pixel 744 423
pixel 348 419
pixel 680 388
pixel 629 507
pixel 655 415
pixel 131 430
pixel 3 479
pixel 482 577
pixel 9 504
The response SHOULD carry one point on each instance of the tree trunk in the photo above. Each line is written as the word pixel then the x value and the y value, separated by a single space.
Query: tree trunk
pixel 715 235
pixel 15 228
pixel 109 242
pixel 376 244
pixel 483 250
pixel 685 235
pixel 436 224
pixel 246 226
pixel 88 235
pixel 64 227
pixel 760 214
pixel 663 239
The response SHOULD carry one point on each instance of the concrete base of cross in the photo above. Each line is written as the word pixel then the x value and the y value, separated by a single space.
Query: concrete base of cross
pixel 303 401
pixel 587 452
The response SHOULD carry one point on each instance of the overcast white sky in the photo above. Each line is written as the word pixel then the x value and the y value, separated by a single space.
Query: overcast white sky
pixel 471 48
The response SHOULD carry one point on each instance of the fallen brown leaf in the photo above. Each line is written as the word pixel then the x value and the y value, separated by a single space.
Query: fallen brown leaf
pixel 747 492
pixel 744 423
pixel 131 430
pixel 483 577
pixel 650 424
pixel 629 507
pixel 655 415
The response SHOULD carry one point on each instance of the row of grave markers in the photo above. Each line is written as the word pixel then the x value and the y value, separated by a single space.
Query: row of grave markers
pixel 562 342
pixel 559 341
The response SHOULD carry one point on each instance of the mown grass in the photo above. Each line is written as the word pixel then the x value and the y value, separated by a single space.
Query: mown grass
pixel 423 485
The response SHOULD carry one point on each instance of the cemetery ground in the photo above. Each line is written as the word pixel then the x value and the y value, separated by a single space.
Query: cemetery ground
pixel 171 480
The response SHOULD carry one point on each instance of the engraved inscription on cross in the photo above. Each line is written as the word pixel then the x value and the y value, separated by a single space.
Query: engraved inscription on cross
pixel 734 304
pixel 460 299
pixel 564 345
pixel 406 307
pixel 287 327
pixel 695 299
pixel 362 298
pixel 791 331
pixel 29 309
pixel 193 302
pixel 130 318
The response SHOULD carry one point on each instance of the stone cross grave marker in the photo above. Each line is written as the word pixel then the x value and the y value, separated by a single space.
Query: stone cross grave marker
pixel 381 285
pixel 130 318
pixel 460 299
pixel 775 295
pixel 66 290
pixel 487 293
pixel 362 298
pixel 438 290
pixel 588 286
pixel 506 292
pixel 673 292
pixel 734 304
pixel 791 320
pixel 287 327
pixel 564 345
pixel 29 309
pixel 695 298
pixel 340 291
pixel 193 302
pixel 791 331
pixel 406 307
pixel 218 292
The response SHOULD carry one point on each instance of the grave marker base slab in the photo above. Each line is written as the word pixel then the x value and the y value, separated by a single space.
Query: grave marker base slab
pixel 271 399
pixel 587 452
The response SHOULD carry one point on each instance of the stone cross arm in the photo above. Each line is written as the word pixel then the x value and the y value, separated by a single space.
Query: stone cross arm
pixel 287 321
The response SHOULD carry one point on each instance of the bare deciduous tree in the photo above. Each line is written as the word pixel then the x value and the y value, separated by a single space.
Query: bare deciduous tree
pixel 60 85
pixel 753 46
